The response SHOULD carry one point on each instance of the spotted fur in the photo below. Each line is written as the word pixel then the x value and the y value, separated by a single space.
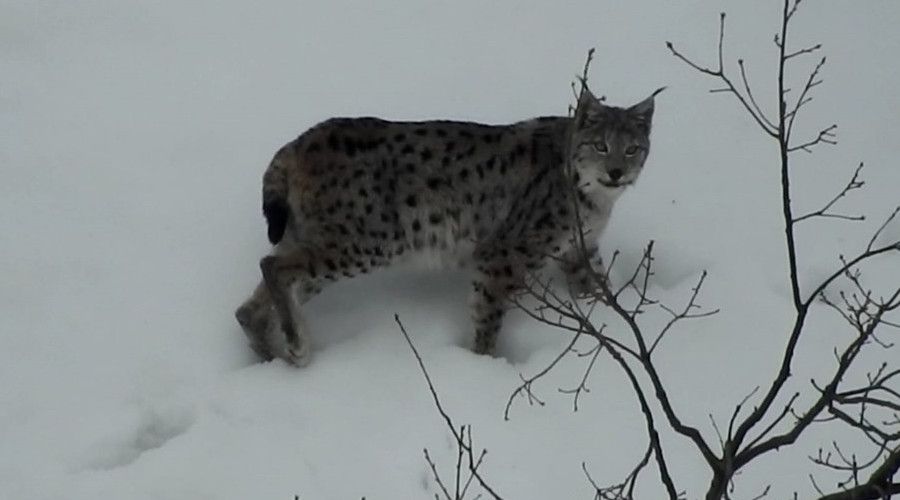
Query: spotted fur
pixel 351 195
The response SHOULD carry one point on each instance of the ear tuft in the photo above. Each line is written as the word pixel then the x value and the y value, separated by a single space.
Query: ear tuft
pixel 644 109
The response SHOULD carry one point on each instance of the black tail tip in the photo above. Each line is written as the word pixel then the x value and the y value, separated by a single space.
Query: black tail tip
pixel 276 213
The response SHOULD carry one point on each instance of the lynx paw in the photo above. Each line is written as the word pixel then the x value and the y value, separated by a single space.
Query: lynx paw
pixel 256 322
pixel 484 345
pixel 298 355
pixel 584 285
pixel 264 330
pixel 296 352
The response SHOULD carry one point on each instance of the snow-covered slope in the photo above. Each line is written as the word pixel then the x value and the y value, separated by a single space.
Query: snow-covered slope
pixel 132 140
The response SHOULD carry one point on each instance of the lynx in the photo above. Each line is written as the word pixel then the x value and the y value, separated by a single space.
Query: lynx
pixel 354 194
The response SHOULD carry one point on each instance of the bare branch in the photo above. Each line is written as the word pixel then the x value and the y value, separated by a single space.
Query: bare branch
pixel 848 264
pixel 790 13
pixel 764 493
pixel 719 434
pixel 685 313
pixel 827 395
pixel 861 310
pixel 895 245
pixel 623 490
pixel 582 386
pixel 458 435
pixel 737 411
pixel 747 101
pixel 826 136
pixel 803 99
pixel 808 50
pixel 653 434
pixel 437 477
pixel 788 408
pixel 879 486
pixel 854 183
pixel 526 382
pixel 750 97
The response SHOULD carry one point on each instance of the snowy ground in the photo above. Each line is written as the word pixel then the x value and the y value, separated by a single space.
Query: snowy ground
pixel 132 140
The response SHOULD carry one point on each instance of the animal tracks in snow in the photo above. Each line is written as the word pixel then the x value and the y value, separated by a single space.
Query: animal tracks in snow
pixel 152 429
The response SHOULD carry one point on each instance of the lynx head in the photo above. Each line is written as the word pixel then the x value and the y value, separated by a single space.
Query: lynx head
pixel 609 144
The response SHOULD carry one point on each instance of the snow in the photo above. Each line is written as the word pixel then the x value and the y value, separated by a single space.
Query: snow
pixel 133 137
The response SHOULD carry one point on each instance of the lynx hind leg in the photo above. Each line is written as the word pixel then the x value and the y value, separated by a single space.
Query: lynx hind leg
pixel 258 318
pixel 263 327
pixel 289 286
pixel 294 277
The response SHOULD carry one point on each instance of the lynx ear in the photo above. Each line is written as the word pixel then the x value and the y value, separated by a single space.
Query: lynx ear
pixel 587 106
pixel 644 109
pixel 586 97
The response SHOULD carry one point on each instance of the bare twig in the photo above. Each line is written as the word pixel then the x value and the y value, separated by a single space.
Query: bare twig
pixel 788 117
pixel 826 136
pixel 685 313
pixel 437 477
pixel 880 484
pixel 750 97
pixel 808 50
pixel 854 183
pixel 860 309
pixel 747 101
pixel 525 386
pixel 582 386
pixel 892 246
pixel 473 464
pixel 827 394
pixel 623 490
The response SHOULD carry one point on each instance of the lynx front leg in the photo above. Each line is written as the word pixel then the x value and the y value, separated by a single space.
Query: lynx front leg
pixel 488 308
pixel 500 274
pixel 579 270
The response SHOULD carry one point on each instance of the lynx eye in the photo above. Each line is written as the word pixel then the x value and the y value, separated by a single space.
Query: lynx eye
pixel 601 147
pixel 631 150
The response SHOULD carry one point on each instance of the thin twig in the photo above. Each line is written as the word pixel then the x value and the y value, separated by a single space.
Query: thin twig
pixel 582 386
pixel 437 477
pixel 473 465
pixel 854 183
pixel 525 386
pixel 719 73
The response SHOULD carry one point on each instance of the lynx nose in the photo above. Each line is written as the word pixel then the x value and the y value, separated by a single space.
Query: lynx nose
pixel 615 174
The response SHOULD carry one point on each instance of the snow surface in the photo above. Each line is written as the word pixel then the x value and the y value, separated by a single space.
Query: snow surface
pixel 133 136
